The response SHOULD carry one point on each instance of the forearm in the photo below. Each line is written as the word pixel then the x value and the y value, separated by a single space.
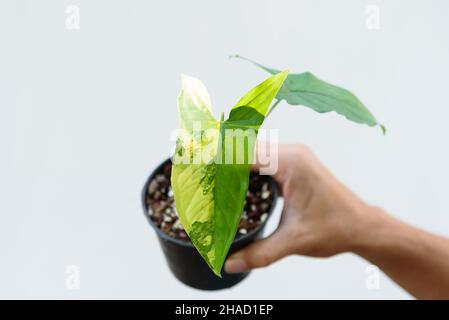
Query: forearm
pixel 416 260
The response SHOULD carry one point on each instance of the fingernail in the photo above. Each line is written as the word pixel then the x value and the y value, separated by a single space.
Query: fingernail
pixel 236 265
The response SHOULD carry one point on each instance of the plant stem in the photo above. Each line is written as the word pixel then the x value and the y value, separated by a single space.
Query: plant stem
pixel 273 107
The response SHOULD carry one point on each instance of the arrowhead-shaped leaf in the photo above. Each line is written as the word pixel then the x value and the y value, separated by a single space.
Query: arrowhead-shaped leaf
pixel 212 162
pixel 307 90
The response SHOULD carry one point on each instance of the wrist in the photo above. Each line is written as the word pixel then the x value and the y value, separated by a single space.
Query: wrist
pixel 373 227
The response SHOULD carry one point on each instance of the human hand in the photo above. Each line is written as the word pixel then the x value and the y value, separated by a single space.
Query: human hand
pixel 320 217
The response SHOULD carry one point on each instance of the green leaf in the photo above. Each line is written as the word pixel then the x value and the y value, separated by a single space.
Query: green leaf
pixel 210 192
pixel 307 90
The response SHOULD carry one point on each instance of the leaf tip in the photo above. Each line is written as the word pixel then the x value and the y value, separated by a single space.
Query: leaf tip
pixel 231 56
pixel 383 128
pixel 283 74
pixel 184 78
pixel 217 272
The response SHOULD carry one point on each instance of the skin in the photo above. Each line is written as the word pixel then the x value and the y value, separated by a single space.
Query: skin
pixel 322 218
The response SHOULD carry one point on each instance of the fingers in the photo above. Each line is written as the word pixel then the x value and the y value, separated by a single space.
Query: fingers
pixel 266 158
pixel 275 159
pixel 259 254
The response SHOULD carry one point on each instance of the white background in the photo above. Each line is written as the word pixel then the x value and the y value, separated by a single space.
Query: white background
pixel 85 115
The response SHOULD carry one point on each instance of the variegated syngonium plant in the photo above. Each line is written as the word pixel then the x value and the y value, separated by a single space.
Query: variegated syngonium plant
pixel 211 164
pixel 210 172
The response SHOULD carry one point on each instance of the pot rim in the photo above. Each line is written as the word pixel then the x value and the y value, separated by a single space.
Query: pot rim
pixel 189 244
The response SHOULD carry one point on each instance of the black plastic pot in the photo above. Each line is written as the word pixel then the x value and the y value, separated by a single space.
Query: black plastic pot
pixel 186 263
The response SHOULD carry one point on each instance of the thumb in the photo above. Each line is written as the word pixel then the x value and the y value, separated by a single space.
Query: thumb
pixel 259 254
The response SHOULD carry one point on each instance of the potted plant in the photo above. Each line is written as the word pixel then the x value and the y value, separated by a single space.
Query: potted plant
pixel 205 202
